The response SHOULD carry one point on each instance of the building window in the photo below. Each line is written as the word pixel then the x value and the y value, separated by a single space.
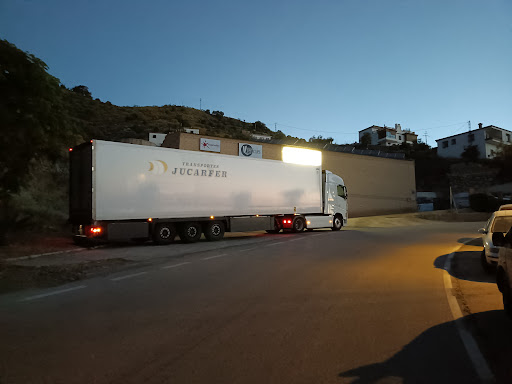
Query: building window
pixel 154 136
pixel 508 138
pixel 445 144
pixel 471 137
pixel 400 138
pixel 454 141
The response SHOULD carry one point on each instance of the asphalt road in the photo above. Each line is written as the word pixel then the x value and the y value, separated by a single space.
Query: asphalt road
pixel 364 305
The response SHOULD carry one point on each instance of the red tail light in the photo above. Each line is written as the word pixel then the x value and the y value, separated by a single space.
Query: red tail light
pixel 96 230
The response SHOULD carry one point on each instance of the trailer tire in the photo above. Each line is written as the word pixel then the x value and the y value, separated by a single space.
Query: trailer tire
pixel 298 225
pixel 190 232
pixel 337 222
pixel 214 231
pixel 164 233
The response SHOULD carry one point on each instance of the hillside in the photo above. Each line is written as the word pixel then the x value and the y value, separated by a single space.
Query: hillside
pixel 103 120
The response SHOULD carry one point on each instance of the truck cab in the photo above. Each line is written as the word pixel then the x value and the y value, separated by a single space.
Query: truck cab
pixel 335 196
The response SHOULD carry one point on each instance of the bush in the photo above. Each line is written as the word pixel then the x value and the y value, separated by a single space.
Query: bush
pixel 481 202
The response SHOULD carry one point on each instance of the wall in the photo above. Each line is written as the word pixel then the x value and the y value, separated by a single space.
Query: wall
pixel 375 185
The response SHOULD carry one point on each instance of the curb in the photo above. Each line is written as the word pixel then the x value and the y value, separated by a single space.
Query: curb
pixel 43 254
pixel 51 253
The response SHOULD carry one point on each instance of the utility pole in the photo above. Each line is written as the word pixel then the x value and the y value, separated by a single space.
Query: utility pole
pixel 275 127
pixel 426 135
pixel 200 101
pixel 469 125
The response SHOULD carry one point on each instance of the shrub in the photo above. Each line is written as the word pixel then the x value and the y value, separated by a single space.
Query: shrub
pixel 481 202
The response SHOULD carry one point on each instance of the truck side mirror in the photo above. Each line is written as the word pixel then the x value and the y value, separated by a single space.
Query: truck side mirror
pixel 482 231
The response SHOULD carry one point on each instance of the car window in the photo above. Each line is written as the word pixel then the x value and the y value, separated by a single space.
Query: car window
pixel 502 224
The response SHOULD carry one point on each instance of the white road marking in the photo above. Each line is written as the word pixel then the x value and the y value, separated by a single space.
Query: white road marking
pixel 474 353
pixel 214 257
pixel 248 249
pixel 174 265
pixel 297 239
pixel 44 254
pixel 128 276
pixel 452 300
pixel 53 293
pixel 280 242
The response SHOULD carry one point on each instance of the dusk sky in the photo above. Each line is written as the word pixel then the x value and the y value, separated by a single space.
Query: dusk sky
pixel 327 68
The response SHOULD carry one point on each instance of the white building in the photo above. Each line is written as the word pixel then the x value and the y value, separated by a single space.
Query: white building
pixel 158 138
pixel 259 136
pixel 487 139
pixel 387 136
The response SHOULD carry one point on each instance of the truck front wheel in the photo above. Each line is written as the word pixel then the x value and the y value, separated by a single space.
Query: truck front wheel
pixel 214 230
pixel 337 222
pixel 190 232
pixel 298 224
pixel 164 233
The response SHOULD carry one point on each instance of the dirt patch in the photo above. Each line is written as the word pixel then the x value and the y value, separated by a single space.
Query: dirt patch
pixel 418 218
pixel 16 277
pixel 26 245
pixel 453 216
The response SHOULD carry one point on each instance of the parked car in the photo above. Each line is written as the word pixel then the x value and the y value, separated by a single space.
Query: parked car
pixel 500 222
pixel 504 270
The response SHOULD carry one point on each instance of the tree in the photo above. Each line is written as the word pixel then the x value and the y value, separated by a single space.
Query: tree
pixel 365 140
pixel 32 117
pixel 321 140
pixel 471 153
pixel 279 135
pixel 503 161
pixel 82 90
pixel 260 127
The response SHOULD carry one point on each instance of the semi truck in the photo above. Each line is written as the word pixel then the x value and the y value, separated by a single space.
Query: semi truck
pixel 121 192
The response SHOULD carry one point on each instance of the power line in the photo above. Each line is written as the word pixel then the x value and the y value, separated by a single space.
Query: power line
pixel 352 133
pixel 314 130
pixel 441 126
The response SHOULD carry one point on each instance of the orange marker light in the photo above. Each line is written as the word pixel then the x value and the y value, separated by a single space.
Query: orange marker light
pixel 212 217
pixel 150 219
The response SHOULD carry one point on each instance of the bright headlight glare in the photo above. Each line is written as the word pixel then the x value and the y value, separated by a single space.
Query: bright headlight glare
pixel 302 156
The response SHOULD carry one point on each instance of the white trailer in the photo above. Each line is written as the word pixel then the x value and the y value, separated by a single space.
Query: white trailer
pixel 125 191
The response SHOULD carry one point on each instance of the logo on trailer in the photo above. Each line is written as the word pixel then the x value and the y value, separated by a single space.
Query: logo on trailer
pixel 158 167
pixel 246 150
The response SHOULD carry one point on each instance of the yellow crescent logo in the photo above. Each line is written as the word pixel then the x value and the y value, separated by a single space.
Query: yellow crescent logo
pixel 164 164
pixel 158 167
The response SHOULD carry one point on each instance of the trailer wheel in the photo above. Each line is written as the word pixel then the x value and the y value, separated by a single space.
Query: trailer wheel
pixel 298 225
pixel 337 223
pixel 190 232
pixel 164 233
pixel 214 231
